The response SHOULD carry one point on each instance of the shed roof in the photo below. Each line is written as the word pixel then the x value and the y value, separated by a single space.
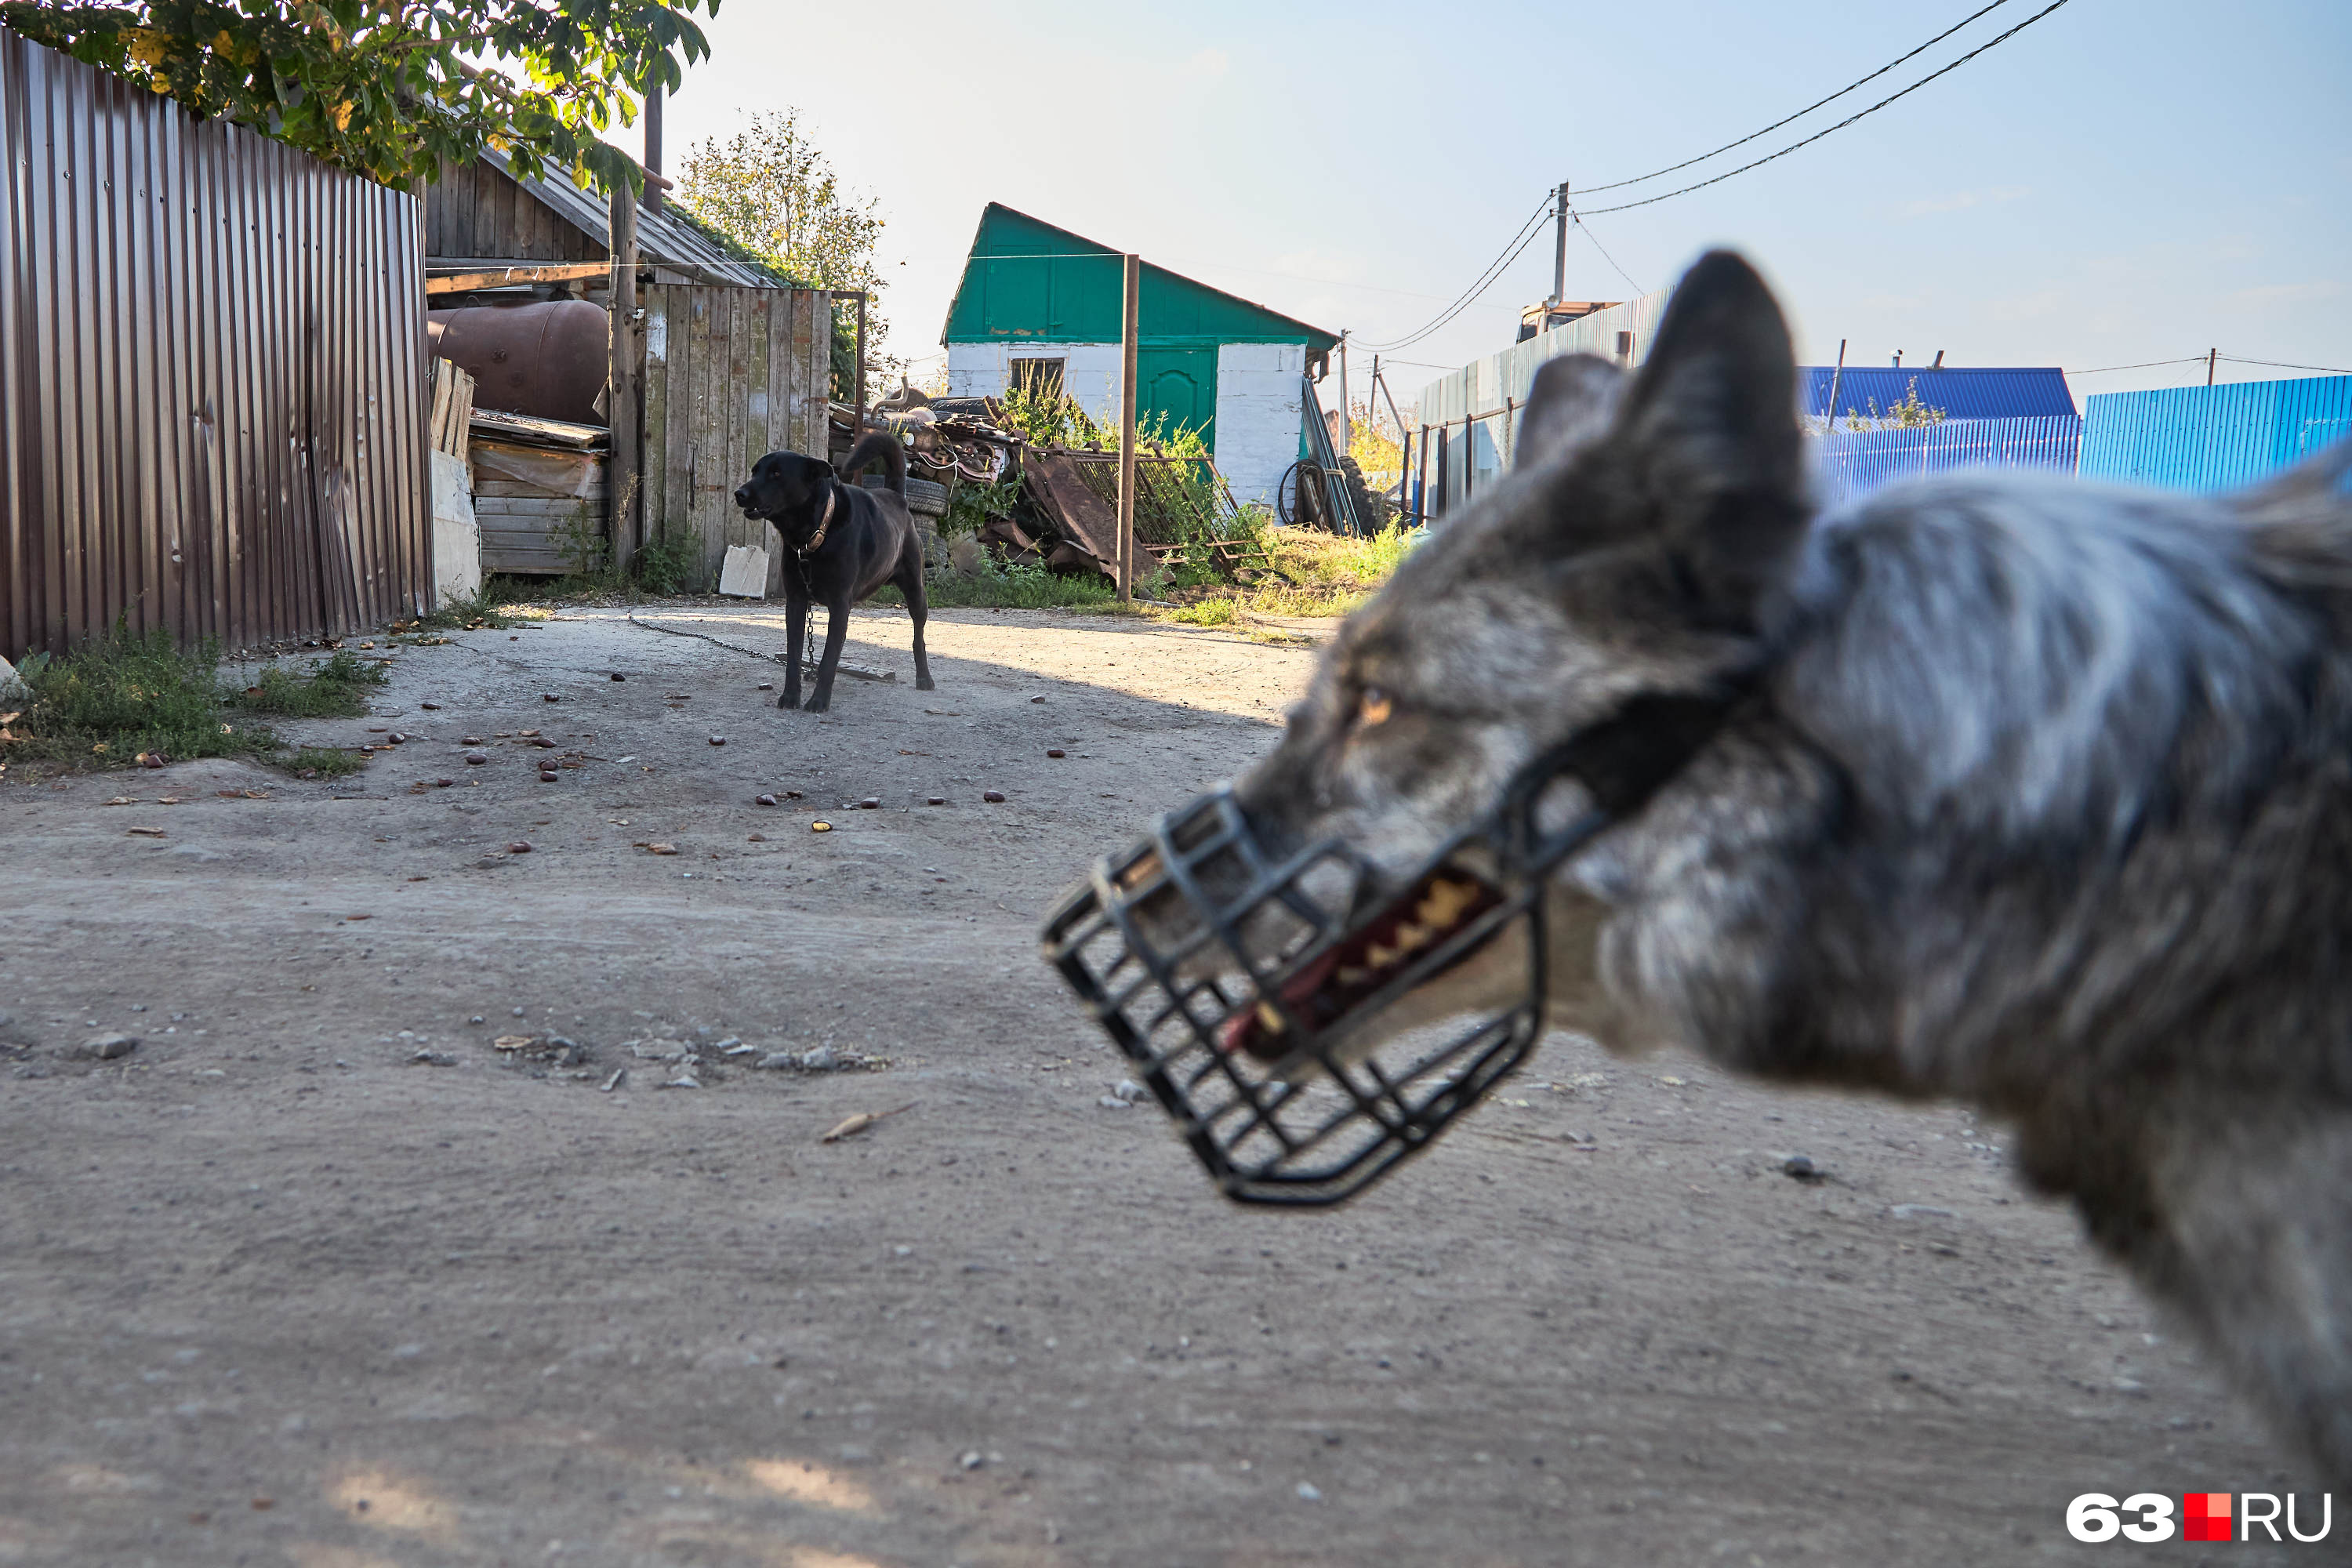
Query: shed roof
pixel 1962 393
pixel 662 236
pixel 1027 280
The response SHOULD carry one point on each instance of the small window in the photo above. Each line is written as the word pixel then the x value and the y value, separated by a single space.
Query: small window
pixel 1038 377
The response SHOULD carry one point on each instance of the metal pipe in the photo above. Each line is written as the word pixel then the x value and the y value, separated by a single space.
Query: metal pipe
pixel 1829 413
pixel 1131 315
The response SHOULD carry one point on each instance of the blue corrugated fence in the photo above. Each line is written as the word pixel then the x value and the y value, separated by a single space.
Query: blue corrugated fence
pixel 2212 437
pixel 1853 463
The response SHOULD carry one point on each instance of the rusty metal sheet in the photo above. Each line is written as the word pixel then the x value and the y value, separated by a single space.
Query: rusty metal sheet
pixel 1061 494
pixel 212 374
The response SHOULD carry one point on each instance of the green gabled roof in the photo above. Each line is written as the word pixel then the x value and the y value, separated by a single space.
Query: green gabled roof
pixel 1027 280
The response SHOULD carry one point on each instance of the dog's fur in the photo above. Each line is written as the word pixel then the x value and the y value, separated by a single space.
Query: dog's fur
pixel 2045 801
pixel 869 541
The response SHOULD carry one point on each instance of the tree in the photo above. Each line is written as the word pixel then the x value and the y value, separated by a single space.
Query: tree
pixel 771 189
pixel 388 89
pixel 1910 414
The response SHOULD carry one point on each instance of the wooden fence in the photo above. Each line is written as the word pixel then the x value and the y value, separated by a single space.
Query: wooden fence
pixel 731 373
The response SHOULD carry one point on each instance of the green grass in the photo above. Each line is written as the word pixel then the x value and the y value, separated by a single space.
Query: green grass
pixel 483 611
pixel 125 693
pixel 1207 613
pixel 1011 588
pixel 337 689
pixel 1310 558
pixel 323 762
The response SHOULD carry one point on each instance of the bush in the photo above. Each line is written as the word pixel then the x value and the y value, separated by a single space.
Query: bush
pixel 668 565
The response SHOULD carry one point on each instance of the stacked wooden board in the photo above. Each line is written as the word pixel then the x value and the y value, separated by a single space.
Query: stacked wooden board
pixel 538 493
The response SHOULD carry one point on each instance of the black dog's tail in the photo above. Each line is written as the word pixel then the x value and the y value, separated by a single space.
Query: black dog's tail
pixel 879 447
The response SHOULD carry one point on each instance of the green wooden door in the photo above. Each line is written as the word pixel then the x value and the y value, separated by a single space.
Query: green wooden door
pixel 1179 383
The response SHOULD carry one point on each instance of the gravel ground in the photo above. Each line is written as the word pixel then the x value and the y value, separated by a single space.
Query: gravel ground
pixel 317 1274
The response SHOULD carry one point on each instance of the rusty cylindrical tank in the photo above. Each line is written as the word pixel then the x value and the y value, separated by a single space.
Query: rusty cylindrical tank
pixel 548 358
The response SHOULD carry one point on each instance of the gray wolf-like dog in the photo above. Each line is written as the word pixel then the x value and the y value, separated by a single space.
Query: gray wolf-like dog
pixel 2043 800
pixel 842 544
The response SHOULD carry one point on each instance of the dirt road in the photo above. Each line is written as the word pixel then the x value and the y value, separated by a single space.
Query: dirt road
pixel 316 1275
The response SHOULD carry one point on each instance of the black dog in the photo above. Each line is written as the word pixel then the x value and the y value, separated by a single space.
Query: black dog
pixel 842 542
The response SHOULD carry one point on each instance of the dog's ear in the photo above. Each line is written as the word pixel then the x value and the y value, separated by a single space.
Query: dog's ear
pixel 1570 403
pixel 1710 427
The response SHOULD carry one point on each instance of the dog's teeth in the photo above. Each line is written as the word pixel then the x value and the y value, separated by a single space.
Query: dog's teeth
pixel 1349 975
pixel 1411 936
pixel 1381 957
pixel 1269 1017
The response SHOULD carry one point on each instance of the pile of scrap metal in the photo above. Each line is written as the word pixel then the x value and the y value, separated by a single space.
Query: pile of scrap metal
pixel 1064 513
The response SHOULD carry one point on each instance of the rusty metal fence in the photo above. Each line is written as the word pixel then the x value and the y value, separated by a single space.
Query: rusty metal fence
pixel 212 374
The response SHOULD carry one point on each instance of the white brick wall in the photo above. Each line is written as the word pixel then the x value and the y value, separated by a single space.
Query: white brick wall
pixel 1257 415
pixel 1089 372
pixel 1257 397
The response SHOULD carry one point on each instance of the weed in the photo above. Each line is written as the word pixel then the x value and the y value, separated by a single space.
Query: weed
pixel 970 505
pixel 476 613
pixel 1011 588
pixel 124 693
pixel 336 689
pixel 669 563
pixel 1311 558
pixel 1207 613
pixel 323 762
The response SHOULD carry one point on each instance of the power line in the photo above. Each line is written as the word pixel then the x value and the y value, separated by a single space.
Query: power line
pixel 2144 365
pixel 1703 157
pixel 1533 235
pixel 1486 277
pixel 1587 234
pixel 2282 364
pixel 1849 119
pixel 2226 359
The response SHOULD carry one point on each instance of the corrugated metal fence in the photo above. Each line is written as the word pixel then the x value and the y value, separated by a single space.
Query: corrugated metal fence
pixel 1469 416
pixel 1853 463
pixel 212 352
pixel 2211 437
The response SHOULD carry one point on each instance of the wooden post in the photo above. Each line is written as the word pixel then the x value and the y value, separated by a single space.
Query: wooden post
pixel 1129 315
pixel 2211 356
pixel 622 482
pixel 653 146
pixel 858 428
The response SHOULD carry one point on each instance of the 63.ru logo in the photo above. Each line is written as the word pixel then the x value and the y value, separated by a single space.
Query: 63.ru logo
pixel 2203 1516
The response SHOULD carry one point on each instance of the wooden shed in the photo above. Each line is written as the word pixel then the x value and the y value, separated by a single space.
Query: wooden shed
pixel 737 359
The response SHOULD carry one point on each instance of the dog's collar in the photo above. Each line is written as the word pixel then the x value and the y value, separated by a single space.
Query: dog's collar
pixel 816 541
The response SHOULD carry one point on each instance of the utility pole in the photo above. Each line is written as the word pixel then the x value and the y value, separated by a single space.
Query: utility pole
pixel 1836 375
pixel 2211 355
pixel 653 146
pixel 1129 318
pixel 1559 251
pixel 1346 435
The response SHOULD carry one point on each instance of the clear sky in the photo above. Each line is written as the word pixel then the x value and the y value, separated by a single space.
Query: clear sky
pixel 2125 180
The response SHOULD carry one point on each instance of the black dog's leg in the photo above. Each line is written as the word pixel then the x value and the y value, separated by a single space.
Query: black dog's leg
pixel 796 609
pixel 837 628
pixel 910 583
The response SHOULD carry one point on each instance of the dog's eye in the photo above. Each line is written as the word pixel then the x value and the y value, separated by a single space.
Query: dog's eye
pixel 1374 707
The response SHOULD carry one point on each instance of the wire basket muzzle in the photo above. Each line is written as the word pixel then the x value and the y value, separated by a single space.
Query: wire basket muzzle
pixel 1210 963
